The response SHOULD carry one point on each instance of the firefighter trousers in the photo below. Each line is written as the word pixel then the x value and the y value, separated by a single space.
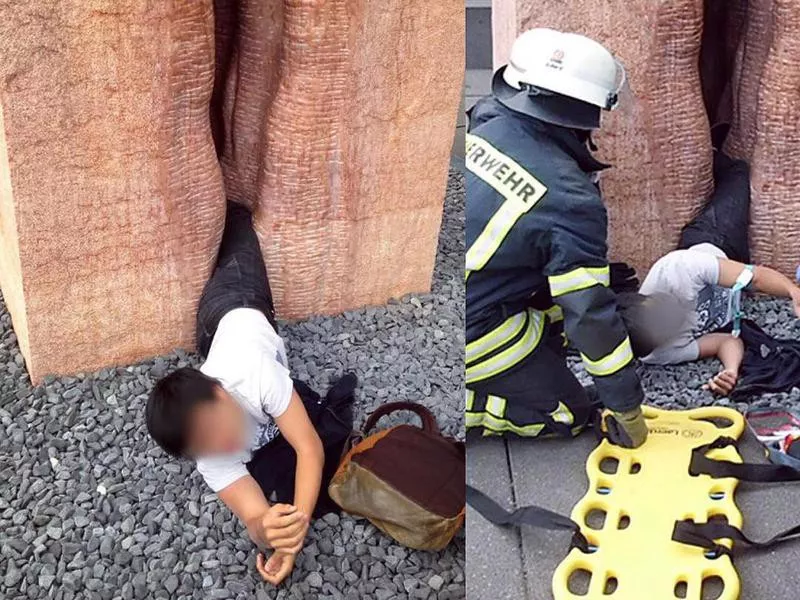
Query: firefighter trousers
pixel 540 396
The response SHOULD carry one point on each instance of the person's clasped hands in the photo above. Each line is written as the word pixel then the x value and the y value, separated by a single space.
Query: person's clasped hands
pixel 284 528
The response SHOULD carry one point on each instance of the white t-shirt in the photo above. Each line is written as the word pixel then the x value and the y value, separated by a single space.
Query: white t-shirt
pixel 691 276
pixel 248 358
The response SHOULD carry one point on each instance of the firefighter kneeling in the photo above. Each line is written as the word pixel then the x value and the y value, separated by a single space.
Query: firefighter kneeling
pixel 536 267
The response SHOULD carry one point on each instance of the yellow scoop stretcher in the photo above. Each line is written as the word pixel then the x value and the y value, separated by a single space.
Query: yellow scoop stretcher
pixel 634 499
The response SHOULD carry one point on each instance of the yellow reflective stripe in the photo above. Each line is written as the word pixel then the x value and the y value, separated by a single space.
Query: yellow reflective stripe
pixel 494 423
pixel 502 425
pixel 470 400
pixel 554 313
pixel 511 355
pixel 562 414
pixel 496 230
pixel 489 433
pixel 498 336
pixel 520 189
pixel 496 406
pixel 611 363
pixel 473 419
pixel 578 279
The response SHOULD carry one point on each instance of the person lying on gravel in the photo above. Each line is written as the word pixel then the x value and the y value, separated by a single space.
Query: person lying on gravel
pixel 707 275
pixel 254 433
pixel 705 280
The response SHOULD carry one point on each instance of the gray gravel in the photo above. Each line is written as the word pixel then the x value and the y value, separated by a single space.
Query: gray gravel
pixel 91 508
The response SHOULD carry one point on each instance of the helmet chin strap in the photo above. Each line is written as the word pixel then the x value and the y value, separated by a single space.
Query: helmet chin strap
pixel 585 136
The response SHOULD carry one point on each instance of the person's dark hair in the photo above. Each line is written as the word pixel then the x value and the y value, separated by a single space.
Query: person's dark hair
pixel 170 405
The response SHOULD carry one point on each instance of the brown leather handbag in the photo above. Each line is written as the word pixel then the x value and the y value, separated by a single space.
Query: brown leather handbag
pixel 408 481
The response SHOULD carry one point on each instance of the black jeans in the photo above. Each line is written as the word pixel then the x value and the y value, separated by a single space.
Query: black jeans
pixel 724 220
pixel 240 280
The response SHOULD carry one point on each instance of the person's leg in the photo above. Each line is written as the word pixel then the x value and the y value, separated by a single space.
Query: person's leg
pixel 239 278
pixel 725 218
pixel 538 398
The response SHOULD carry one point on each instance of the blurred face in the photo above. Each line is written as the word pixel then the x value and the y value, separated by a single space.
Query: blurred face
pixel 217 427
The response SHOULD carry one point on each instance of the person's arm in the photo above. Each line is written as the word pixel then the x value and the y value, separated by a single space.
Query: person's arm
pixel 578 277
pixel 730 351
pixel 280 526
pixel 277 526
pixel 765 280
pixel 279 400
pixel 297 429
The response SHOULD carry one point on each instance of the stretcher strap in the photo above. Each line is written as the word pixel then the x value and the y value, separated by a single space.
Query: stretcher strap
pixel 534 516
pixel 705 535
pixel 701 464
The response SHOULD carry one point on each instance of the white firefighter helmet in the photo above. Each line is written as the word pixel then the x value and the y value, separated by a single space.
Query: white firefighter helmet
pixel 561 78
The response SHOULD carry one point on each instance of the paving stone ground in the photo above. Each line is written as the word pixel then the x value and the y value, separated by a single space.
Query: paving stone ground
pixel 514 565
pixel 90 508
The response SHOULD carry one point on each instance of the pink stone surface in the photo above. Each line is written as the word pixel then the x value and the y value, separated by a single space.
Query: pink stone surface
pixel 341 146
pixel 333 121
pixel 765 113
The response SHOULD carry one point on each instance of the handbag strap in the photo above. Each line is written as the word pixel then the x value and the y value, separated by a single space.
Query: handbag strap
pixel 428 420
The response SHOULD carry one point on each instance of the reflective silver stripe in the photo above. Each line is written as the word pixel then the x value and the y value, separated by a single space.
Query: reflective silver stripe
pixel 496 406
pixel 578 279
pixel 470 400
pixel 516 185
pixel 511 355
pixel 562 414
pixel 498 336
pixel 610 363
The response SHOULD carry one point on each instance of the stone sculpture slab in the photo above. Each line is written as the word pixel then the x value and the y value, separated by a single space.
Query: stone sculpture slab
pixel 126 124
